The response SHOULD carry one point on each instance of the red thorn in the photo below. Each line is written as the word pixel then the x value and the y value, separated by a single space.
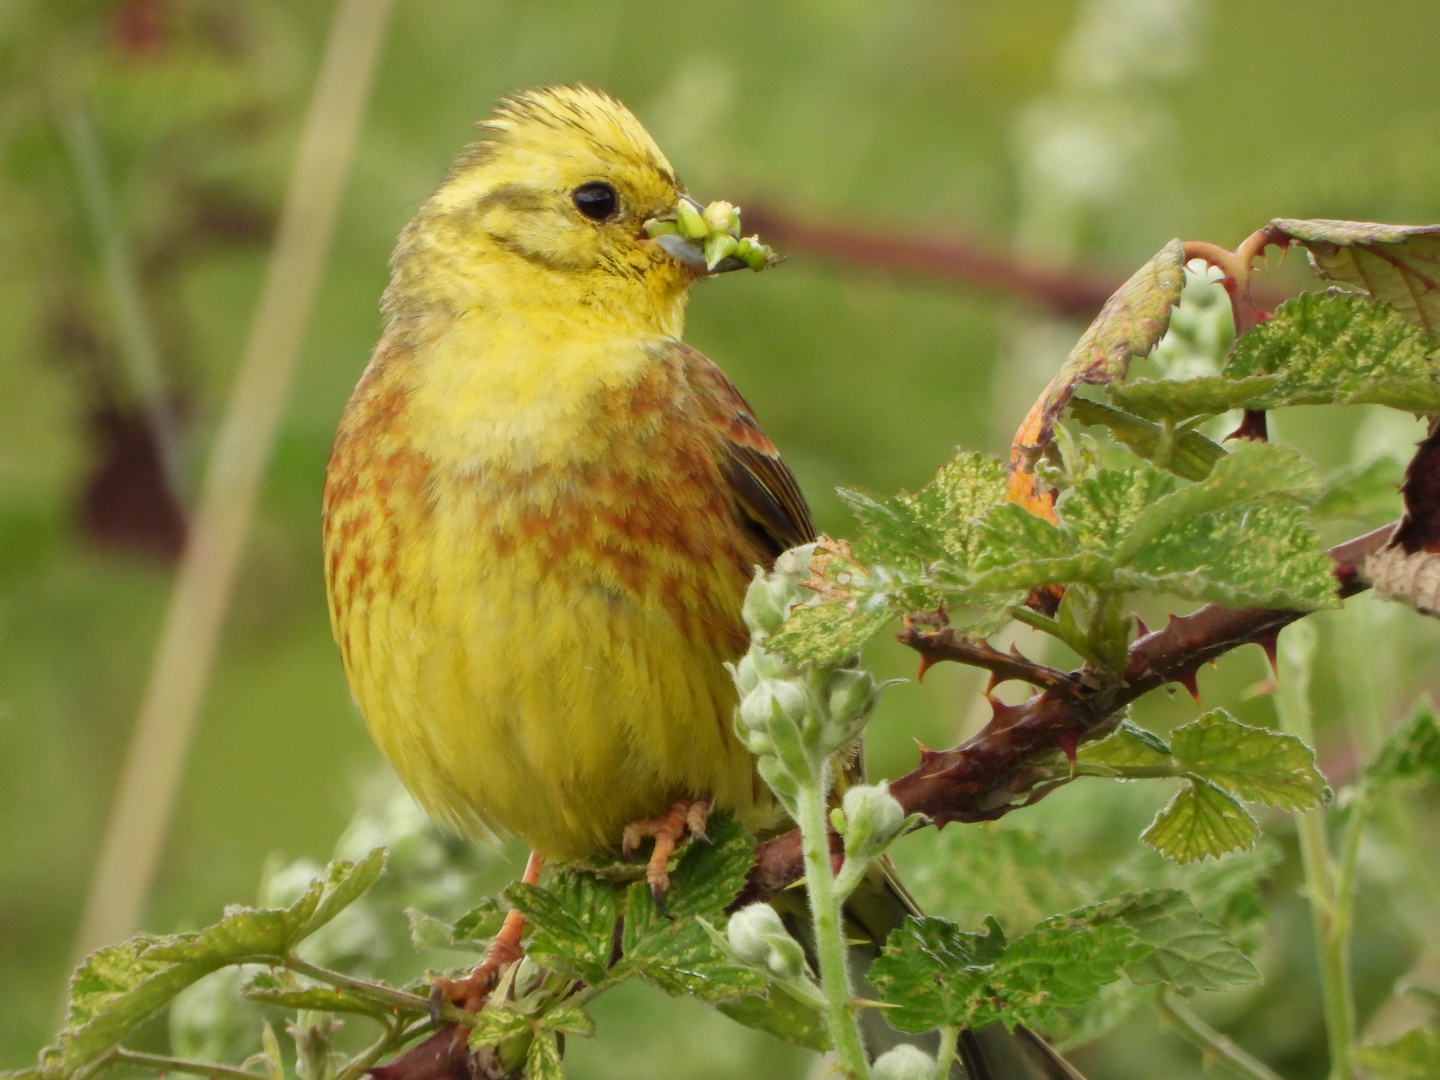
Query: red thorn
pixel 1170 619
pixel 1068 743
pixel 993 681
pixel 1140 628
pixel 1000 713
pixel 1271 643
pixel 925 663
pixel 1187 679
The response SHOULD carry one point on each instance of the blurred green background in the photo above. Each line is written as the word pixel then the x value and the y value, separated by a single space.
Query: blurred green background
pixel 1080 135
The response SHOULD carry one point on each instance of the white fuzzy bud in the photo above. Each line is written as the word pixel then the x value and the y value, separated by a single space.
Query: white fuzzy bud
pixel 903 1062
pixel 759 937
pixel 850 695
pixel 872 816
pixel 772 699
pixel 763 611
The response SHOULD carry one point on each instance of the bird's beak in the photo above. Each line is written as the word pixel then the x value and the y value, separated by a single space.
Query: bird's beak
pixel 707 238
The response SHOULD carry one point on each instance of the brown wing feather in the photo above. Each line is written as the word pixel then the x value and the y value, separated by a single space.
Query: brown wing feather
pixel 764 487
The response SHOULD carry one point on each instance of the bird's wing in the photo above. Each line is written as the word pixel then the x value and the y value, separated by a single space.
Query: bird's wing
pixel 763 484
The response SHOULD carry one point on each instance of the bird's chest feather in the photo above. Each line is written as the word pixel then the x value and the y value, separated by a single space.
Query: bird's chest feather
pixel 563 606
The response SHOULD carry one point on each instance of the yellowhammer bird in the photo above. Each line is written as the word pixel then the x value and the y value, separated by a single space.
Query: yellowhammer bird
pixel 543 509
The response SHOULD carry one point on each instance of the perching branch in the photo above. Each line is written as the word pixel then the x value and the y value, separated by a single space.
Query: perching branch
pixel 1003 766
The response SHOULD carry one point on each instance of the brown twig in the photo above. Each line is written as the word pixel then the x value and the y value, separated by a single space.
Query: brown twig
pixel 951 644
pixel 1065 292
pixel 1004 766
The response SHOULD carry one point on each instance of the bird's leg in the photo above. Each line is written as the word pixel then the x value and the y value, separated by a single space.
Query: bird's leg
pixel 687 815
pixel 470 992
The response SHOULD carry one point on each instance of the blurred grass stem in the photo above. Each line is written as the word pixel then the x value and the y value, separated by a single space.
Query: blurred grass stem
pixel 1327 886
pixel 140 814
pixel 138 352
pixel 1213 1046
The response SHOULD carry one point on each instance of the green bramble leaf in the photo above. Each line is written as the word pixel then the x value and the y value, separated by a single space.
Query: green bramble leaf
pixel 1128 747
pixel 121 986
pixel 1255 764
pixel 1062 963
pixel 570 1019
pixel 1396 264
pixel 1235 537
pixel 1413 1056
pixel 930 970
pixel 1131 323
pixel 940 521
pixel 1411 752
pixel 246 934
pixel 1176 944
pixel 543 1060
pixel 1187 454
pixel 1102 512
pixel 1318 349
pixel 115 990
pixel 1264 554
pixel 573 922
pixel 675 953
pixel 1201 821
pixel 826 633
pixel 1177 400
pixel 496 1024
pixel 282 988
pixel 779 1013
pixel 934 974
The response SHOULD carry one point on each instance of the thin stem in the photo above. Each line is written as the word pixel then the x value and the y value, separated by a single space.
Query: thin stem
pixel 138 353
pixel 945 1052
pixel 394 1035
pixel 154 761
pixel 387 995
pixel 1211 1043
pixel 829 930
pixel 180 1065
pixel 1329 914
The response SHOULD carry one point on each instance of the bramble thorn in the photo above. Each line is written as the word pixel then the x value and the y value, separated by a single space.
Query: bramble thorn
pixel 1187 679
pixel 925 663
pixel 1069 743
pixel 1271 643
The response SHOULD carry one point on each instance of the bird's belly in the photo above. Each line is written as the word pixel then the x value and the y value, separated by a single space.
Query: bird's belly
pixel 537 671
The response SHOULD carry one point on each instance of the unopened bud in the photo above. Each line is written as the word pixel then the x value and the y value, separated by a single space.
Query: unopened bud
pixel 850 694
pixel 903 1062
pixel 763 611
pixel 717 246
pixel 744 675
pixel 656 227
pixel 872 816
pixel 753 253
pixel 773 771
pixel 723 217
pixel 772 699
pixel 759 937
pixel 689 222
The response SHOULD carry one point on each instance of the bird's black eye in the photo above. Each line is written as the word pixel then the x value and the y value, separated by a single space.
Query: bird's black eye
pixel 596 201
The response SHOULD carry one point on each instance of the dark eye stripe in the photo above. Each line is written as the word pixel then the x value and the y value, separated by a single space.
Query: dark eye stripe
pixel 596 201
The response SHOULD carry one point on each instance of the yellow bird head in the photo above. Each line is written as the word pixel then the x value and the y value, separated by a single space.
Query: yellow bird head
pixel 556 196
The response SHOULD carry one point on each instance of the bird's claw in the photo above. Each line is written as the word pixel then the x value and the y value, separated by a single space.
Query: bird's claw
pixel 685 816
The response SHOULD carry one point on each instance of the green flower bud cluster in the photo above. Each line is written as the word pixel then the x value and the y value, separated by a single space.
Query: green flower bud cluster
pixel 904 1062
pixel 793 717
pixel 717 230
pixel 758 937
